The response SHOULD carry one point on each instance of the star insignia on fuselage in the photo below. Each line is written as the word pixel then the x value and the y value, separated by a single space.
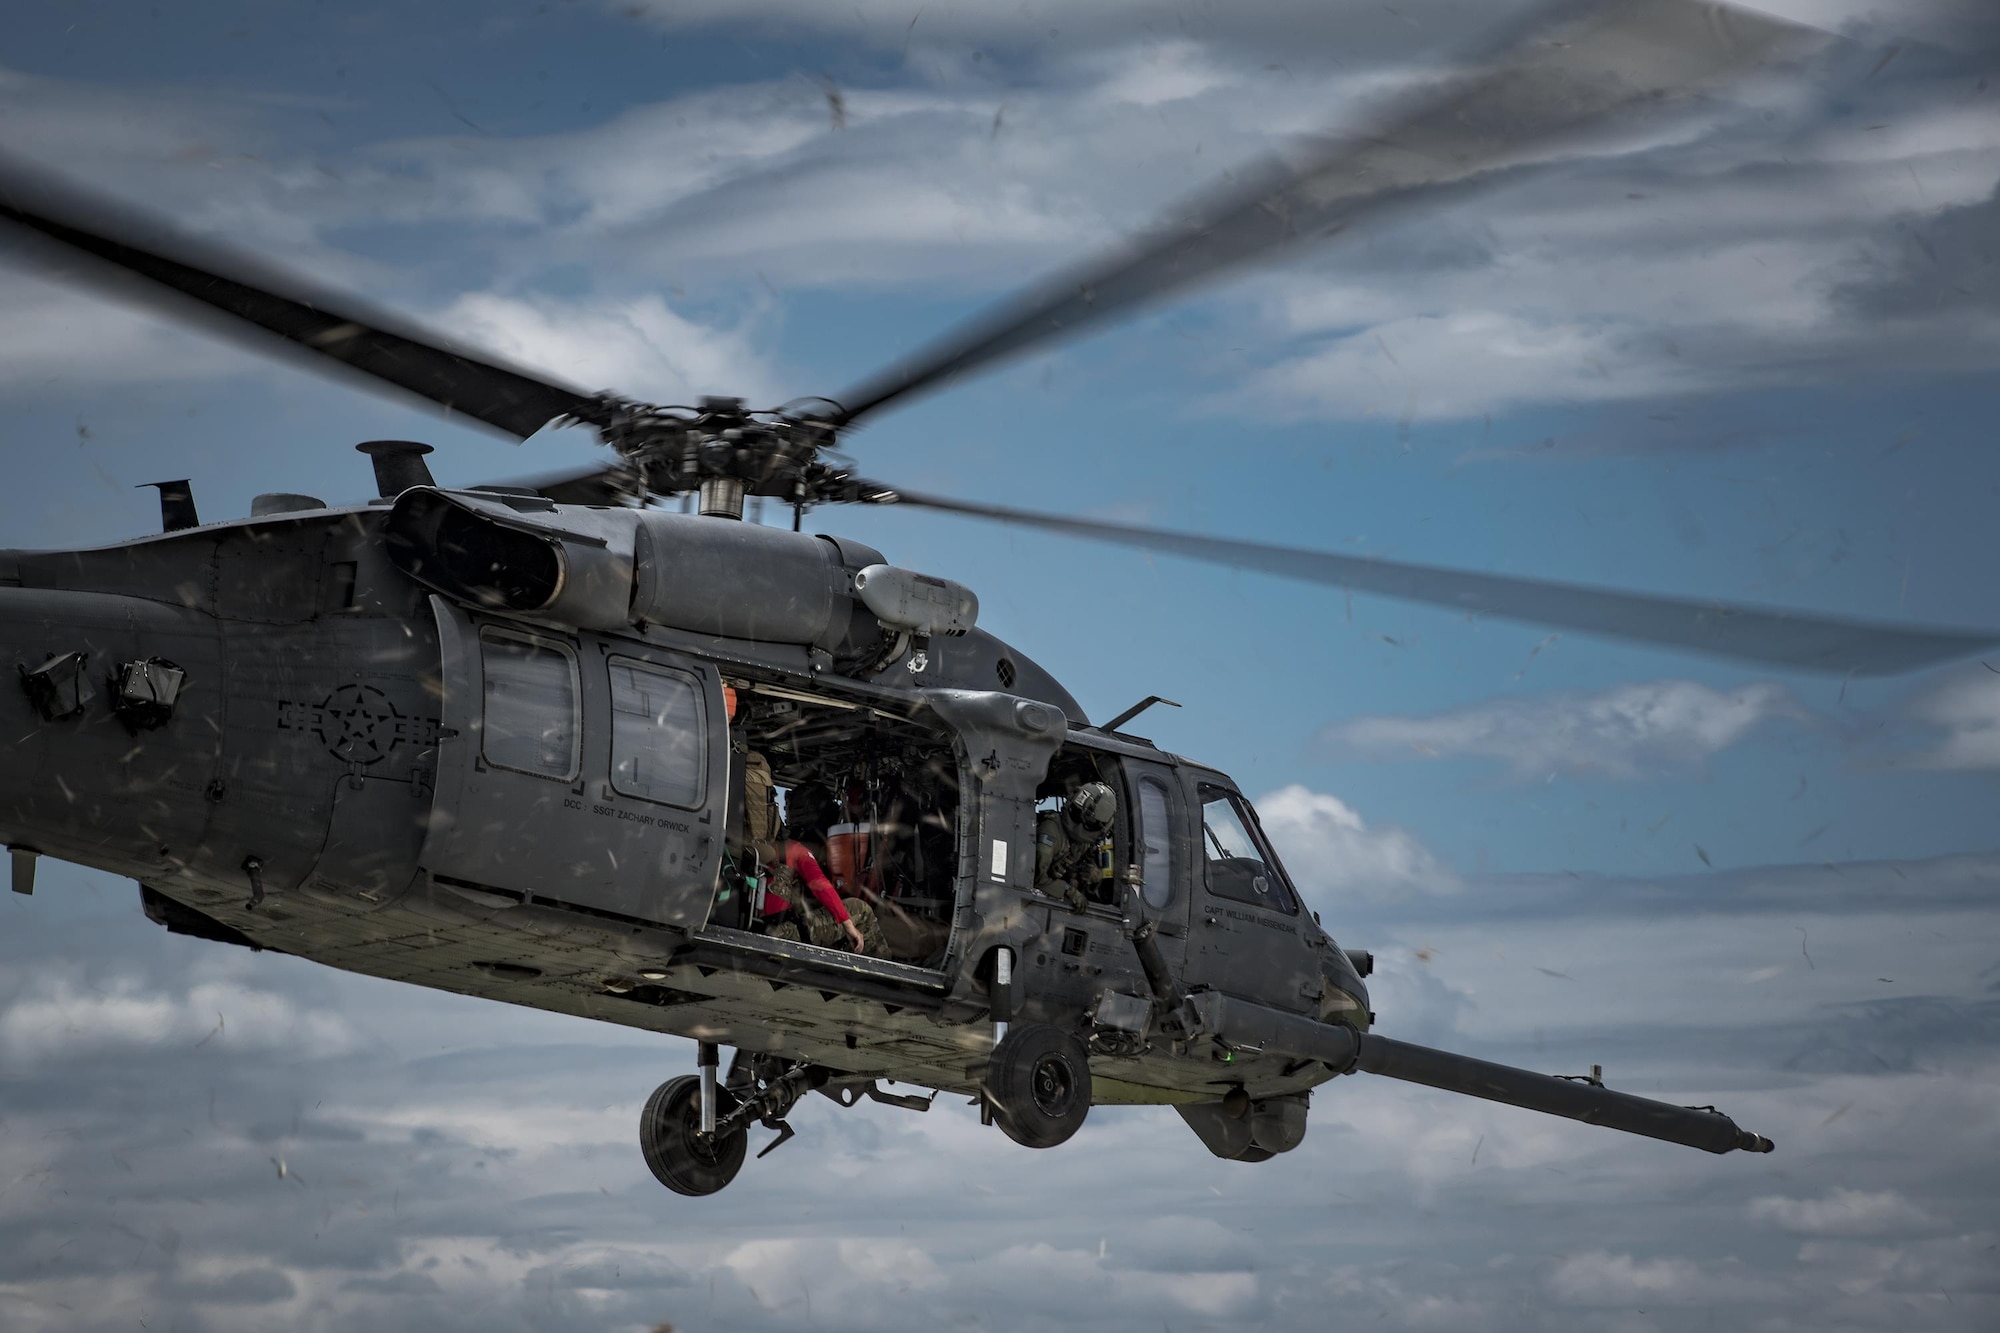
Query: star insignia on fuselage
pixel 358 724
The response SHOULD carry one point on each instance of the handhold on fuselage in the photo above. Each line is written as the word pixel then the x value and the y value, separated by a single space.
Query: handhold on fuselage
pixel 59 687
pixel 144 692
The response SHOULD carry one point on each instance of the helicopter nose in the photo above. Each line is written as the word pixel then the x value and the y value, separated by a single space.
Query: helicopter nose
pixel 112 731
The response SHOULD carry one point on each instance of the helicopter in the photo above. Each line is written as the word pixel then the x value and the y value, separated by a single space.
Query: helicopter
pixel 516 740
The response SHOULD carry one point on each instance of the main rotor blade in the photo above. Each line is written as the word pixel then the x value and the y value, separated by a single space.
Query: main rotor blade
pixel 614 485
pixel 334 330
pixel 1573 66
pixel 1720 629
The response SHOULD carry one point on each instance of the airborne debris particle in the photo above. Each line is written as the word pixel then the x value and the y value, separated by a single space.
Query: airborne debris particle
pixel 1888 58
pixel 1812 966
pixel 836 104
pixel 1535 652
pixel 1703 854
pixel 451 109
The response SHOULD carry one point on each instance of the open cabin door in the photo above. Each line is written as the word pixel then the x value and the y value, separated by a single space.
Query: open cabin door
pixel 586 771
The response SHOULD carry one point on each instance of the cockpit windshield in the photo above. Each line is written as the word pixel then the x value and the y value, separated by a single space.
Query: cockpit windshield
pixel 1237 865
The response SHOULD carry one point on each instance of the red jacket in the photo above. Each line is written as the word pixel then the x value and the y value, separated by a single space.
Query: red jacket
pixel 801 861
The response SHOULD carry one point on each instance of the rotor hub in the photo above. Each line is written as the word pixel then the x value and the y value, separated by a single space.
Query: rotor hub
pixel 727 452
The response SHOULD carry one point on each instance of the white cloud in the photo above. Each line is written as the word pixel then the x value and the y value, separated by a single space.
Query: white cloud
pixel 1470 361
pixel 1601 1278
pixel 1841 1212
pixel 845 1269
pixel 1169 72
pixel 1965 712
pixel 52 336
pixel 1308 29
pixel 58 1020
pixel 1335 856
pixel 1628 732
pixel 1711 262
pixel 640 345
pixel 409 1175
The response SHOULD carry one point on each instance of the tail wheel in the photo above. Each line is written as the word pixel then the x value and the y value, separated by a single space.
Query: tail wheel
pixel 682 1158
pixel 1038 1084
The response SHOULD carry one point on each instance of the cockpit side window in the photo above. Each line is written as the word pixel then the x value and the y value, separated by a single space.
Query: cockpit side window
pixel 1237 865
pixel 1155 846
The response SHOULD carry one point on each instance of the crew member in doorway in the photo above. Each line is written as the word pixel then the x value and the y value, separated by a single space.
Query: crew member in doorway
pixel 801 902
pixel 1066 843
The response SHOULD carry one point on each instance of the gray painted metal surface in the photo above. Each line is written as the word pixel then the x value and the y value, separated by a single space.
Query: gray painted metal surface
pixel 519 790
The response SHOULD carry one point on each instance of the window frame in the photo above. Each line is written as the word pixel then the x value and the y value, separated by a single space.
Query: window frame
pixel 567 650
pixel 695 685
pixel 1254 828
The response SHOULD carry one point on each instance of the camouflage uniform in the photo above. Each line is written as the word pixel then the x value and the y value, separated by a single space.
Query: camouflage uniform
pixel 820 925
pixel 1066 843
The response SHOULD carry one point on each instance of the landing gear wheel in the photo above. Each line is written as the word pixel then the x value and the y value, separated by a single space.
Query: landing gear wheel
pixel 1038 1085
pixel 682 1158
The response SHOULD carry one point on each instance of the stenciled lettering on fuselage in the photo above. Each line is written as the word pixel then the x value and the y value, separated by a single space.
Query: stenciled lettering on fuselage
pixel 359 724
pixel 638 817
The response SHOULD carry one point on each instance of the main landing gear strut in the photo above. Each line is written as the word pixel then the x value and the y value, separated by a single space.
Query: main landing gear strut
pixel 695 1130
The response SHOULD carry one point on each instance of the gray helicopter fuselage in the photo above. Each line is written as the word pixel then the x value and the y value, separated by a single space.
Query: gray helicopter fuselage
pixel 319 785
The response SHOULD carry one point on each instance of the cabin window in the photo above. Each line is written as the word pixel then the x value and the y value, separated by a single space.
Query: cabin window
pixel 1156 854
pixel 1237 865
pixel 532 719
pixel 658 736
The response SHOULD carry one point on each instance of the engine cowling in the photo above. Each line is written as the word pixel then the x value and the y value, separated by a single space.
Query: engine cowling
pixel 604 568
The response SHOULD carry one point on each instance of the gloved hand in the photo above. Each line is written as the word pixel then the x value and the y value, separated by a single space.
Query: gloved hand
pixel 1074 897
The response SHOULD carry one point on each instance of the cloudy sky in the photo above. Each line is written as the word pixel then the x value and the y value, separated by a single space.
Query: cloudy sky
pixel 1745 352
